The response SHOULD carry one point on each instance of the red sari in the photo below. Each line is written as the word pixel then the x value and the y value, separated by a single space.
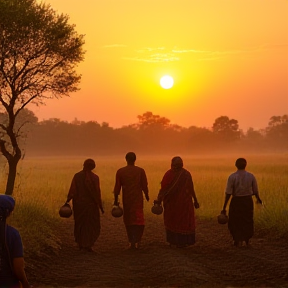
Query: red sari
pixel 179 219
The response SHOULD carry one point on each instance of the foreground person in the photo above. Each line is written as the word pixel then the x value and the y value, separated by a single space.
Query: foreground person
pixel 86 198
pixel 12 267
pixel 133 181
pixel 241 185
pixel 179 200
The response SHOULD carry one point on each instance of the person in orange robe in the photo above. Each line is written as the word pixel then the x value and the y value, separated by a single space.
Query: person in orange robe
pixel 133 182
pixel 86 197
pixel 179 200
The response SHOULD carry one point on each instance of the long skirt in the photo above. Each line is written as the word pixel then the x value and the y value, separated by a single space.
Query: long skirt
pixel 134 233
pixel 87 224
pixel 241 224
pixel 180 239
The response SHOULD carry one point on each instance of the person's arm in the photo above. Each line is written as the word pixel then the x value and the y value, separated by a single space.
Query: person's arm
pixel 259 201
pixel 227 197
pixel 193 194
pixel 19 270
pixel 163 184
pixel 145 185
pixel 255 190
pixel 116 200
pixel 72 190
pixel 191 190
pixel 228 193
pixel 159 197
pixel 98 193
pixel 117 188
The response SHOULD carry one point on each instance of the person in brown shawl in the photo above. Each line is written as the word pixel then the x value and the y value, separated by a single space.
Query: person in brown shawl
pixel 85 194
pixel 133 181
pixel 179 200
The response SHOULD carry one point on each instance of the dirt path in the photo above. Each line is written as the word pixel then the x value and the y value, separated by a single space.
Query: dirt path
pixel 211 262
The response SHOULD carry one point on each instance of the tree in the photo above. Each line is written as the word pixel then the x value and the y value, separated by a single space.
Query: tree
pixel 254 135
pixel 277 132
pixel 39 52
pixel 277 120
pixel 227 129
pixel 149 120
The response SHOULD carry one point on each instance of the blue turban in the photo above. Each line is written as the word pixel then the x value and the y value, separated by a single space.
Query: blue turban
pixel 7 202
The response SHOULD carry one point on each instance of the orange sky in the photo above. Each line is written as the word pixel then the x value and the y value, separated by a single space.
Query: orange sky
pixel 227 58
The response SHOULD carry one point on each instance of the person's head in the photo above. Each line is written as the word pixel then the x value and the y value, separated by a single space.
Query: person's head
pixel 89 164
pixel 130 158
pixel 176 163
pixel 7 204
pixel 241 163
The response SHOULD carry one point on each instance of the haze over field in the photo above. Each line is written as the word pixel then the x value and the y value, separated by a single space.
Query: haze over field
pixel 226 58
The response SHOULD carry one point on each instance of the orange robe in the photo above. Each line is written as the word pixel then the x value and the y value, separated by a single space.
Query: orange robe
pixel 133 181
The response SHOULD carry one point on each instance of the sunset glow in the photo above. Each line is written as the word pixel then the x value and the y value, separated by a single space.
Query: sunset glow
pixel 166 82
pixel 226 57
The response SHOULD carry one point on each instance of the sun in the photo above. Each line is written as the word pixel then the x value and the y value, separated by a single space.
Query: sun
pixel 166 82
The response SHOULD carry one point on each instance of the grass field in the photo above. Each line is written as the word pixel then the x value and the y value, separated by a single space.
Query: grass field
pixel 42 186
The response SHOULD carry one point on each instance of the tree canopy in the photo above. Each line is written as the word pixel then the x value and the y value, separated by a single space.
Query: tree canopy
pixel 39 53
pixel 226 128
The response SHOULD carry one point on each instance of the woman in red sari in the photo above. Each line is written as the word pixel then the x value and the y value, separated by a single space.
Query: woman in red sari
pixel 179 199
pixel 86 197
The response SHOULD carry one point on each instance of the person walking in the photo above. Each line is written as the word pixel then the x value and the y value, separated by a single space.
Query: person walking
pixel 133 182
pixel 85 194
pixel 241 185
pixel 179 200
pixel 12 266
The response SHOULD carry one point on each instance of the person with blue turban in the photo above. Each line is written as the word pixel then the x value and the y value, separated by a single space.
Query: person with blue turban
pixel 12 267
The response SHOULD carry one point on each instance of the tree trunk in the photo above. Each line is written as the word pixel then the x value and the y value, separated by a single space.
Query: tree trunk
pixel 11 175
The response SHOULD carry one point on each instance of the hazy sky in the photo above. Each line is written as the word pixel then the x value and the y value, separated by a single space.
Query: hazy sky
pixel 227 58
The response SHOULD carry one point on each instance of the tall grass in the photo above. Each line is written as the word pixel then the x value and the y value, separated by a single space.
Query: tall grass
pixel 42 186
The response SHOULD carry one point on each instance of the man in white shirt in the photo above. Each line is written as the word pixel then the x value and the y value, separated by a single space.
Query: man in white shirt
pixel 241 185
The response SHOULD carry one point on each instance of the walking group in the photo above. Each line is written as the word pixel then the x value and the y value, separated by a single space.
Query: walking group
pixel 176 195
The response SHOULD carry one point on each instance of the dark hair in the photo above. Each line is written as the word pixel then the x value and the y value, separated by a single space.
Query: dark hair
pixel 241 163
pixel 89 164
pixel 176 162
pixel 130 157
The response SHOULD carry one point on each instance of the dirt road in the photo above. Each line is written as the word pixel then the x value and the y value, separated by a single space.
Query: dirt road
pixel 212 262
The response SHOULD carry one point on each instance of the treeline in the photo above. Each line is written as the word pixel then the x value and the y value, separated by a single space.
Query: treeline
pixel 152 134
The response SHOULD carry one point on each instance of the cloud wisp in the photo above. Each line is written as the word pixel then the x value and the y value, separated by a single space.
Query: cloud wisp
pixel 162 54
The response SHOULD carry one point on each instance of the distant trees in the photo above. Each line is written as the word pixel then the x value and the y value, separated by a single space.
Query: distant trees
pixel 149 120
pixel 277 132
pixel 254 135
pixel 276 121
pixel 54 137
pixel 227 129
pixel 200 139
pixel 39 52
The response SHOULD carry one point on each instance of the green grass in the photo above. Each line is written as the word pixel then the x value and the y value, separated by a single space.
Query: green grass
pixel 42 186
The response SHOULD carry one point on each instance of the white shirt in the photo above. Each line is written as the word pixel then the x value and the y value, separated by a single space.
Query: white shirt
pixel 241 183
